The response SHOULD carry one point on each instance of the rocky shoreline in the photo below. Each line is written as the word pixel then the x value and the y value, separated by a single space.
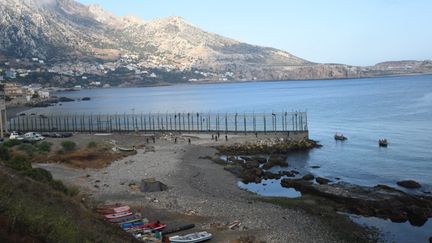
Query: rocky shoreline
pixel 379 201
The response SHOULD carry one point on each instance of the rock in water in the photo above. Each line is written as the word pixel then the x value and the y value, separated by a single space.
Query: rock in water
pixel 409 184
pixel 321 180
pixel 308 177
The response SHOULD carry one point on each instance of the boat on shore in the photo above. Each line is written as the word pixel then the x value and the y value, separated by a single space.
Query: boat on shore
pixel 154 226
pixel 125 219
pixel 383 142
pixel 340 137
pixel 118 215
pixel 114 209
pixel 191 238
pixel 124 149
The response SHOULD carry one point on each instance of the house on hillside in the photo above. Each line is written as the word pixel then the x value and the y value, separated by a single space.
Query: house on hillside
pixel 10 74
pixel 13 90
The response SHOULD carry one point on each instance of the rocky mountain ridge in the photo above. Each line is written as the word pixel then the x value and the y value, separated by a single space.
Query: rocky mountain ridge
pixel 65 31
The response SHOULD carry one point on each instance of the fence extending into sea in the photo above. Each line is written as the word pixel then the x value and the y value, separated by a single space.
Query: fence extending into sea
pixel 167 122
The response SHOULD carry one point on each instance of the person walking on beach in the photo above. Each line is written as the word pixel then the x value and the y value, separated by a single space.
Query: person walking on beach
pixel 154 139
pixel 175 140
pixel 189 140
pixel 212 137
pixel 216 138
pixel 147 140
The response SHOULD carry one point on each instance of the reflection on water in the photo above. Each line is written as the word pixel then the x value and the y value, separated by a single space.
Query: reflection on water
pixel 397 232
pixel 270 188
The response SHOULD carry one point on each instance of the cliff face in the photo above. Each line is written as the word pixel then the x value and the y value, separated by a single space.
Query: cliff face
pixel 63 30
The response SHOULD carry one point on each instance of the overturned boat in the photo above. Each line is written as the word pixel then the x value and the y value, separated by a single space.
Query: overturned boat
pixel 191 238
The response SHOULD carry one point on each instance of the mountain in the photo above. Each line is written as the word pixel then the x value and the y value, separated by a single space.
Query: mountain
pixel 67 33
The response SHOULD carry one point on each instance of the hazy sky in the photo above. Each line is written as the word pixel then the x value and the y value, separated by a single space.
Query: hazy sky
pixel 358 32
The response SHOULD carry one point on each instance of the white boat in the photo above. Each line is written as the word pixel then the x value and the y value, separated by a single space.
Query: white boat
pixel 191 238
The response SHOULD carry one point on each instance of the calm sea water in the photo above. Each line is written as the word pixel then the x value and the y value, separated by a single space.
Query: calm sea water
pixel 396 108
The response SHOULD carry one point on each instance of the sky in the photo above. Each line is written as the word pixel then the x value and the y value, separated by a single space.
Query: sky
pixel 355 32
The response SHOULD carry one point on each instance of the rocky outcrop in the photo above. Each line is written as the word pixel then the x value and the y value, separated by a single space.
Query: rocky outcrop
pixel 410 184
pixel 321 180
pixel 308 177
pixel 267 147
pixel 379 201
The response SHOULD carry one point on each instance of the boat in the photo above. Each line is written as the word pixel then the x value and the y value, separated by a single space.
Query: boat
pixel 126 226
pixel 123 149
pixel 152 226
pixel 340 137
pixel 191 238
pixel 118 215
pixel 114 210
pixel 383 142
pixel 124 219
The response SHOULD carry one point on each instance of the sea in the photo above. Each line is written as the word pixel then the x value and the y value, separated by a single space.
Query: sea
pixel 364 110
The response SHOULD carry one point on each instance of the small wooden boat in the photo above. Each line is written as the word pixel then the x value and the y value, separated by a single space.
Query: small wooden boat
pixel 340 137
pixel 383 142
pixel 124 219
pixel 152 226
pixel 123 149
pixel 114 210
pixel 118 215
pixel 191 238
pixel 126 226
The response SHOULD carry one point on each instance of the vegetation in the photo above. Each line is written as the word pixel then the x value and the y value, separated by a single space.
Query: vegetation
pixel 91 145
pixel 44 146
pixel 68 146
pixel 19 162
pixel 32 211
pixel 28 148
pixel 4 153
pixel 11 143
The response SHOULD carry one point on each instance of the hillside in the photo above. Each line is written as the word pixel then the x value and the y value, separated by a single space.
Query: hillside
pixel 75 39
pixel 31 211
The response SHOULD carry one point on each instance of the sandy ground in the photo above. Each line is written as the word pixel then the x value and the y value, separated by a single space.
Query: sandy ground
pixel 200 191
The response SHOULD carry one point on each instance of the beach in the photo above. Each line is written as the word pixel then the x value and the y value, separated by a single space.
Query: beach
pixel 199 191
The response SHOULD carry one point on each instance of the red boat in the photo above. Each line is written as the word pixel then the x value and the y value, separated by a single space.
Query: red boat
pixel 118 215
pixel 152 226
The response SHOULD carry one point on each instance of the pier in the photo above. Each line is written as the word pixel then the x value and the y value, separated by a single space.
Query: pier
pixel 232 123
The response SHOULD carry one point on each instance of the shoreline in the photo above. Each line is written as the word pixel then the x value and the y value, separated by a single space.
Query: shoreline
pixel 201 192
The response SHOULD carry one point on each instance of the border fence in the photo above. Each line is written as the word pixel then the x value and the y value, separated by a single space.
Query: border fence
pixel 167 122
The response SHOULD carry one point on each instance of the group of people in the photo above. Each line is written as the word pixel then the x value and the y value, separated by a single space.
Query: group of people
pixel 216 137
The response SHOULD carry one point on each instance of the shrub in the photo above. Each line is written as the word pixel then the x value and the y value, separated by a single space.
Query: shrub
pixel 58 186
pixel 91 144
pixel 19 162
pixel 11 143
pixel 39 174
pixel 4 153
pixel 28 148
pixel 44 146
pixel 68 146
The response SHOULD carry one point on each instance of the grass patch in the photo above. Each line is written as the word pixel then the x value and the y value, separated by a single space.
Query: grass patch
pixel 68 146
pixel 11 143
pixel 91 145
